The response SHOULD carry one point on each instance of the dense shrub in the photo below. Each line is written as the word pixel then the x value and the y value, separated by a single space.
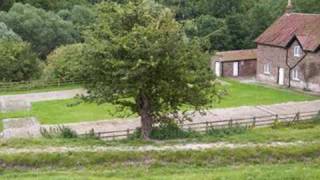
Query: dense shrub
pixel 17 61
pixel 165 131
pixel 64 63
pixel 59 132
pixel 169 130
pixel 222 132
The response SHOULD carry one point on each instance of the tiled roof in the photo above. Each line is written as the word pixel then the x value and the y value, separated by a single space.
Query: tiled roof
pixel 248 54
pixel 304 27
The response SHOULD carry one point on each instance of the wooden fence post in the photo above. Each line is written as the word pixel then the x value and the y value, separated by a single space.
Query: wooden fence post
pixel 298 116
pixel 128 133
pixel 254 122
pixel 230 123
pixel 207 127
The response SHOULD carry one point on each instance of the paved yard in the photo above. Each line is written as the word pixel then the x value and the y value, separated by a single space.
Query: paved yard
pixel 212 115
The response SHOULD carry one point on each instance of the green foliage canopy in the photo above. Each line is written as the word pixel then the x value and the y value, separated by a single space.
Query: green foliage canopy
pixel 64 63
pixel 48 5
pixel 138 50
pixel 8 34
pixel 44 30
pixel 17 61
pixel 80 16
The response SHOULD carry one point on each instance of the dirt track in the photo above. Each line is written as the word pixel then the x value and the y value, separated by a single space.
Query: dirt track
pixel 147 148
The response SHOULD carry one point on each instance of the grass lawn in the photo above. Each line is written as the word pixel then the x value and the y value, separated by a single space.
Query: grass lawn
pixel 74 110
pixel 240 94
pixel 69 111
pixel 239 172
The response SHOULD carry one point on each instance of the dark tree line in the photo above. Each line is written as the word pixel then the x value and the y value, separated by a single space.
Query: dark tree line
pixel 232 24
pixel 44 26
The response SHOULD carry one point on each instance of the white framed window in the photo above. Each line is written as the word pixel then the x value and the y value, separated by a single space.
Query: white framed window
pixel 297 51
pixel 295 75
pixel 267 68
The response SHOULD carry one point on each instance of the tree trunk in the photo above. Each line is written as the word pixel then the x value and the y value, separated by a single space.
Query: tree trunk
pixel 144 109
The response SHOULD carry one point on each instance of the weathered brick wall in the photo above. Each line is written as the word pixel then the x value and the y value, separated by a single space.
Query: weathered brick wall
pixel 269 55
pixel 276 56
pixel 248 68
pixel 227 69
pixel 310 72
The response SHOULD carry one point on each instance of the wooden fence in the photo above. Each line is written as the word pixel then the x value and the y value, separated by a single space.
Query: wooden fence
pixel 252 122
pixel 30 85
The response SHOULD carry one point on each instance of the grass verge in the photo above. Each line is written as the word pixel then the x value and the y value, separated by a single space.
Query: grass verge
pixel 212 157
pixel 280 171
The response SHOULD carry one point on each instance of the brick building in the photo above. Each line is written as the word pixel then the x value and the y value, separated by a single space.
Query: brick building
pixel 288 51
pixel 240 63
pixel 287 54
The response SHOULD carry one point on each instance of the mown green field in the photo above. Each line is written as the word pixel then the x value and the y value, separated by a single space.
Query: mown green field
pixel 240 94
pixel 69 111
pixel 74 110
pixel 238 172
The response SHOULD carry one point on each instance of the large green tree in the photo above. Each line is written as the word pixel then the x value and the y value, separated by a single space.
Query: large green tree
pixel 44 30
pixel 80 16
pixel 138 56
pixel 49 5
pixel 64 63
pixel 8 34
pixel 17 61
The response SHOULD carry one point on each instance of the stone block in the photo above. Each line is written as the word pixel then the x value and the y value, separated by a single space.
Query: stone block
pixel 21 128
pixel 14 105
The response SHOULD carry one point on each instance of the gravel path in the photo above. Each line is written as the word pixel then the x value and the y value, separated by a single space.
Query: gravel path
pixel 148 148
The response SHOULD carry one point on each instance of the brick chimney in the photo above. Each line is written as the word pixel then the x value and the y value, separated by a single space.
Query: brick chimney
pixel 289 8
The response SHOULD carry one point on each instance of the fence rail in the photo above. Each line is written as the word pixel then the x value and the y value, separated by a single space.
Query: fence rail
pixel 30 85
pixel 253 122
